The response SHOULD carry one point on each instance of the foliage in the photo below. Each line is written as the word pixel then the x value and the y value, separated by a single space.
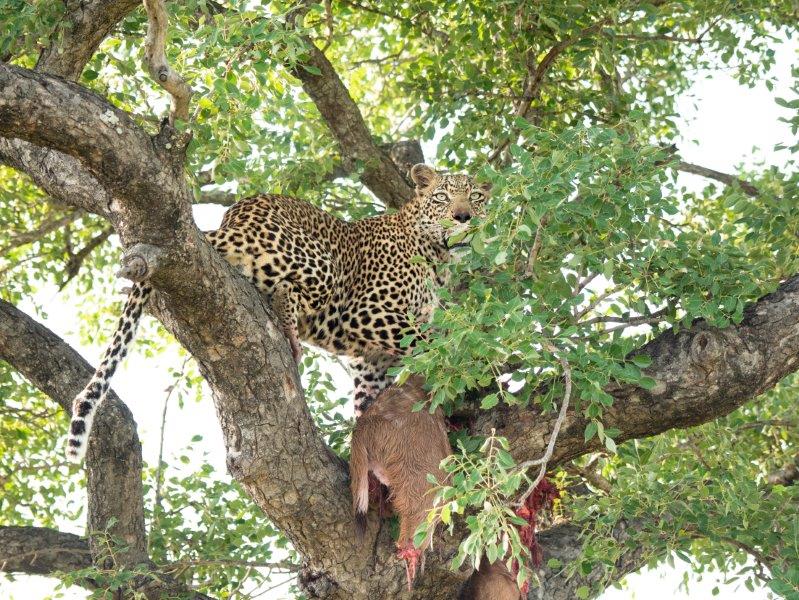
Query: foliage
pixel 704 495
pixel 586 176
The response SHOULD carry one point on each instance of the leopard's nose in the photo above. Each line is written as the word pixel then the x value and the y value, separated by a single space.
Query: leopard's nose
pixel 462 216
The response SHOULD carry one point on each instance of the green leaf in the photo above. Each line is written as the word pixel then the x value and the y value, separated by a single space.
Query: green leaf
pixel 647 383
pixel 489 401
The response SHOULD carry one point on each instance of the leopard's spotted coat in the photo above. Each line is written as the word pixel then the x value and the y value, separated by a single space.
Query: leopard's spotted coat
pixel 346 287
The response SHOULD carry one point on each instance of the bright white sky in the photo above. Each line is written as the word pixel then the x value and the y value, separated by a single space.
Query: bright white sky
pixel 734 126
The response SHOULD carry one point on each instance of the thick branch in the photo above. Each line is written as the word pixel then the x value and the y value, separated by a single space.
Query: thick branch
pixel 114 457
pixel 272 443
pixel 51 112
pixel 565 543
pixel 85 25
pixel 62 177
pixel 701 373
pixel 346 124
pixel 79 33
pixel 41 551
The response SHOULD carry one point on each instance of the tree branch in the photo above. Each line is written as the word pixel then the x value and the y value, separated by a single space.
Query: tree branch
pixel 50 224
pixel 535 77
pixel 76 260
pixel 73 43
pixel 749 189
pixel 156 63
pixel 41 551
pixel 565 543
pixel 271 440
pixel 700 374
pixel 84 26
pixel 114 456
pixel 346 123
pixel 52 112
pixel 62 177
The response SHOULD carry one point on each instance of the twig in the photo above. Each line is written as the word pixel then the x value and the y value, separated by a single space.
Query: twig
pixel 749 189
pixel 42 230
pixel 281 565
pixel 329 19
pixel 595 302
pixel 567 376
pixel 381 59
pixel 528 271
pixel 159 472
pixel 423 26
pixel 762 560
pixel 277 585
pixel 535 78
pixel 76 260
pixel 157 65
pixel 586 280
pixel 654 37
pixel 636 320
pixel 769 423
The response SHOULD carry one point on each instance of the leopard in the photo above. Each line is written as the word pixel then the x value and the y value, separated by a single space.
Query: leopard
pixel 353 288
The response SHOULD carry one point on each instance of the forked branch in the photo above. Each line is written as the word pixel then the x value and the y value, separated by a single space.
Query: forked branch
pixel 157 65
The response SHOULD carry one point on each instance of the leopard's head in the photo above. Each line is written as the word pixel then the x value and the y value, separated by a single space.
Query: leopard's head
pixel 447 202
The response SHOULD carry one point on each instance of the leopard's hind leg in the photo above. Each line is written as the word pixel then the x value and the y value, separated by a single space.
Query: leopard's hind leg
pixel 370 377
pixel 286 306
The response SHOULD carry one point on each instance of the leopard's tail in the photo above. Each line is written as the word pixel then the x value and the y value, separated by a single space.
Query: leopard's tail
pixel 85 404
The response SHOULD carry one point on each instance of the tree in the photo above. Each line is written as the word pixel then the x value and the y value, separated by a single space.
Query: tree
pixel 602 315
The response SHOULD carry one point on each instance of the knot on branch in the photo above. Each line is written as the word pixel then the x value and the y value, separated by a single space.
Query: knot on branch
pixel 316 584
pixel 173 143
pixel 705 350
pixel 140 262
pixel 242 466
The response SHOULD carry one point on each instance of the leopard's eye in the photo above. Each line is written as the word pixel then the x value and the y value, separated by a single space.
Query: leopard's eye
pixel 440 197
pixel 476 196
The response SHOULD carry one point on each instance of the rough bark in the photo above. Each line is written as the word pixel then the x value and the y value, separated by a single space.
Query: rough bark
pixel 85 25
pixel 41 551
pixel 564 543
pixel 272 443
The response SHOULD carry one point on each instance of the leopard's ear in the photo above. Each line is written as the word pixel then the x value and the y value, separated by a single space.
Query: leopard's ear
pixel 485 187
pixel 423 176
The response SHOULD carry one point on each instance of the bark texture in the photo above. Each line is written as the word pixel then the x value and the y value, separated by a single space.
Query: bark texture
pixel 40 551
pixel 85 25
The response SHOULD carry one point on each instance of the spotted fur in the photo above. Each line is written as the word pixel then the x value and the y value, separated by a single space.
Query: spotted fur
pixel 346 287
